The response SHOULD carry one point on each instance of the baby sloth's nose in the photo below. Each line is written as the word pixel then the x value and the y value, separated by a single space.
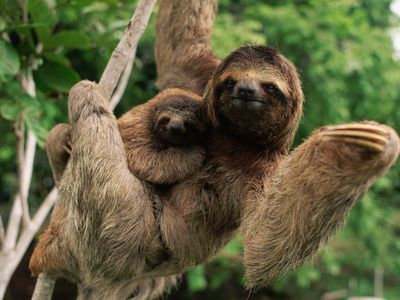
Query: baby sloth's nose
pixel 177 127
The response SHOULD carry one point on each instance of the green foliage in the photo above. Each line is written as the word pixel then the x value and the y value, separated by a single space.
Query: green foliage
pixel 10 61
pixel 345 58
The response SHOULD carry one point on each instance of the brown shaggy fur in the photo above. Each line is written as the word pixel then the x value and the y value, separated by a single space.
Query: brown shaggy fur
pixel 168 158
pixel 287 205
pixel 183 54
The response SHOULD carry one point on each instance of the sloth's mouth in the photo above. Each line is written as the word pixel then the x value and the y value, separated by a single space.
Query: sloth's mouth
pixel 249 99
pixel 251 104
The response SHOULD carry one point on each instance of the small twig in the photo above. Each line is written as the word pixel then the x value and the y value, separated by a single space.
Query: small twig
pixel 126 46
pixel 123 82
pixel 25 11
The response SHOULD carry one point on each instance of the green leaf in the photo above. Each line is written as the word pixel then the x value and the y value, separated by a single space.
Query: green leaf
pixel 9 109
pixel 196 279
pixel 69 39
pixel 57 58
pixel 54 76
pixel 41 13
pixel 9 61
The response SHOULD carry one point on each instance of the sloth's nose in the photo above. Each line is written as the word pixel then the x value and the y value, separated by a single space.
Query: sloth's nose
pixel 245 90
pixel 177 127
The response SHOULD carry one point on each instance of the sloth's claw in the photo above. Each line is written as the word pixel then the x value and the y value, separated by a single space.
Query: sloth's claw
pixel 359 142
pixel 359 126
pixel 368 136
pixel 67 149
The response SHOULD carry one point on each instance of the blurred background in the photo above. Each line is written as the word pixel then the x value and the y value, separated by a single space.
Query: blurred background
pixel 346 53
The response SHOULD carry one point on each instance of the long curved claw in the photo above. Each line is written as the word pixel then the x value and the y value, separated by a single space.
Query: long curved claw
pixel 369 136
pixel 68 146
pixel 362 127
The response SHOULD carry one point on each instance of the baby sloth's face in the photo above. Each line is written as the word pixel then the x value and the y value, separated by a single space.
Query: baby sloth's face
pixel 179 127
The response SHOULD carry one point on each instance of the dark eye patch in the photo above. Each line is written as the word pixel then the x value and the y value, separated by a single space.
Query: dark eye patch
pixel 229 82
pixel 163 121
pixel 273 90
pixel 270 87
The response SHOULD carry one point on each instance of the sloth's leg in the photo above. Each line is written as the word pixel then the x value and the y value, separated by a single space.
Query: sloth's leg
pixel 310 195
pixel 183 52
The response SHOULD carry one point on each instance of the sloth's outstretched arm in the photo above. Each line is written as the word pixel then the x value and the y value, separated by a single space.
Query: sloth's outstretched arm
pixel 310 195
pixel 183 53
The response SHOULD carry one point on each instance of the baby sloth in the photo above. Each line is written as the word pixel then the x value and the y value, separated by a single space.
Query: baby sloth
pixel 163 137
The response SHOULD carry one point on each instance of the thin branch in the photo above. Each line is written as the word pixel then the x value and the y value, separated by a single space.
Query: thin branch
pixel 126 46
pixel 20 132
pixel 26 158
pixel 2 233
pixel 123 82
pixel 9 261
pixel 41 214
pixel 30 150
pixel 14 221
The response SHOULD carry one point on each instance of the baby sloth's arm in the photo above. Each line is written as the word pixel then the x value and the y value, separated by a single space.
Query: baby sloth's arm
pixel 163 138
pixel 310 195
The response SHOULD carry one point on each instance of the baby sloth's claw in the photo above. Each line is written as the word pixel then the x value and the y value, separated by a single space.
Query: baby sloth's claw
pixel 369 136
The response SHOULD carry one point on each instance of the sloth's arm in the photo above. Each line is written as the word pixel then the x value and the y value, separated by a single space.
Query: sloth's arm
pixel 183 53
pixel 310 195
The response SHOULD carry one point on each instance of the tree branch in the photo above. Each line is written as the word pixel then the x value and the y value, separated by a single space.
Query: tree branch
pixel 126 46
pixel 123 82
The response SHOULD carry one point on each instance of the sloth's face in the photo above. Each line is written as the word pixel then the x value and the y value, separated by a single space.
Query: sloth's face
pixel 179 128
pixel 253 99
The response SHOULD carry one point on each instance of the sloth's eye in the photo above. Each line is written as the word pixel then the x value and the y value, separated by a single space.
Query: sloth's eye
pixel 269 87
pixel 163 121
pixel 229 82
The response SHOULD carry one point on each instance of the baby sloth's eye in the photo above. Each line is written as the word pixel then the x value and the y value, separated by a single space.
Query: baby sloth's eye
pixel 269 87
pixel 164 121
